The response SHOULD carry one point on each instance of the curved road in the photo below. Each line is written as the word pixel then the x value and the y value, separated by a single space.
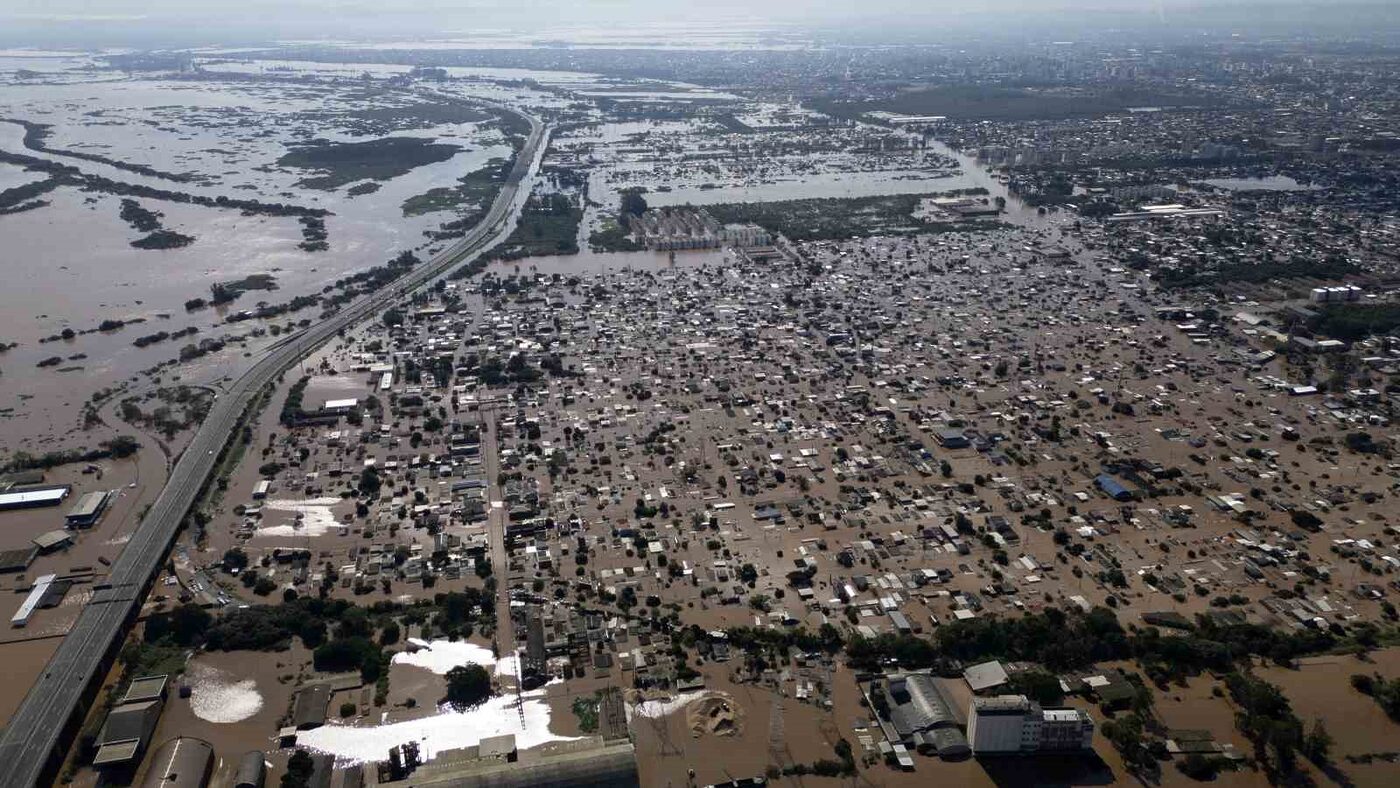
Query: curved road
pixel 35 742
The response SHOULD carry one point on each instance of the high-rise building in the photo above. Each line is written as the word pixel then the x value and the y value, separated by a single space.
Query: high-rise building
pixel 1007 724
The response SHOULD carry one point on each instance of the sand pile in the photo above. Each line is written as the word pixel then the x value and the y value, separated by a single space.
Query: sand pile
pixel 716 714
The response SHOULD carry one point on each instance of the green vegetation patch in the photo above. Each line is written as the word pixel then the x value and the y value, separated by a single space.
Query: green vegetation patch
pixel 381 160
pixel 476 189
pixel 421 114
pixel 586 709
pixel 1331 268
pixel 163 239
pixel 842 217
pixel 548 225
pixel 1358 321
pixel 611 236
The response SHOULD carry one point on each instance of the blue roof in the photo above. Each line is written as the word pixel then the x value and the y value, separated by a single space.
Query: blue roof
pixel 1111 486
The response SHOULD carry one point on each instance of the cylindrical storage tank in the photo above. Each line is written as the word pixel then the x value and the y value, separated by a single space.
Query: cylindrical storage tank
pixel 182 762
pixel 252 771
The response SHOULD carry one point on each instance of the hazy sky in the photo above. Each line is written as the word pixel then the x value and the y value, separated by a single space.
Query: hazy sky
pixel 269 19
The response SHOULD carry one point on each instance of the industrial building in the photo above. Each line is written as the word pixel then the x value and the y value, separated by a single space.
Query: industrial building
pixel 88 510
pixel 51 541
pixel 1010 724
pixel 1332 295
pixel 147 688
pixel 691 228
pixel 339 407
pixel 126 733
pixel 922 714
pixel 309 707
pixel 33 497
pixel 585 763
pixel 17 559
pixel 182 762
pixel 252 770
pixel 31 602
pixel 1113 488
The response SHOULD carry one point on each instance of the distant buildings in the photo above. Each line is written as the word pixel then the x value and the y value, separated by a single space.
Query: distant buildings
pixel 1331 295
pixel 691 228
pixel 1169 211
pixel 1010 724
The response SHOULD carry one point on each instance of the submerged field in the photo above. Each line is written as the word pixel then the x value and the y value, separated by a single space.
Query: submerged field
pixel 123 199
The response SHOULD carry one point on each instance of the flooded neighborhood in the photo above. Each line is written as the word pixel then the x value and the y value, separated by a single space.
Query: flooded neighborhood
pixel 712 406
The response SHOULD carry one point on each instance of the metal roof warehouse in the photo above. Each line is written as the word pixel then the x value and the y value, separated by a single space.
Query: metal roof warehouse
pixel 34 496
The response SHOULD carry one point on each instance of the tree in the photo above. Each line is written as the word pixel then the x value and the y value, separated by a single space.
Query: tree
pixel 183 626
pixel 235 560
pixel 121 446
pixel 1039 686
pixel 1199 767
pixel 299 769
pixel 1267 720
pixel 633 204
pixel 468 685
pixel 369 481
pixel 1317 745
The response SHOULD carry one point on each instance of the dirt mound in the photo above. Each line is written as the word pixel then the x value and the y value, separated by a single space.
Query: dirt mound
pixel 716 714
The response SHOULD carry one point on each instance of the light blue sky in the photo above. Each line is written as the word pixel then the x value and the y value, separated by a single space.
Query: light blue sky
pixel 269 19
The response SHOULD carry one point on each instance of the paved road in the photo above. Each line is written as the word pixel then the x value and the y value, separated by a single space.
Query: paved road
pixel 497 519
pixel 33 745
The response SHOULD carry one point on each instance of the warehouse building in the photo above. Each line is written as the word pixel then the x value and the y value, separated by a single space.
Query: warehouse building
pixel 125 734
pixel 252 770
pixel 309 707
pixel 182 762
pixel 17 559
pixel 33 497
pixel 31 602
pixel 923 716
pixel 88 510
pixel 51 541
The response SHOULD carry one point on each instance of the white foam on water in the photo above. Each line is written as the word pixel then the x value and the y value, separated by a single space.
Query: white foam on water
pixel 447 730
pixel 313 517
pixel 216 697
pixel 444 655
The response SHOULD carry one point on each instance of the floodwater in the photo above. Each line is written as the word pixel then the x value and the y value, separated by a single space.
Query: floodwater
pixel 71 265
pixel 1321 690
pixel 726 34
pixel 12 176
